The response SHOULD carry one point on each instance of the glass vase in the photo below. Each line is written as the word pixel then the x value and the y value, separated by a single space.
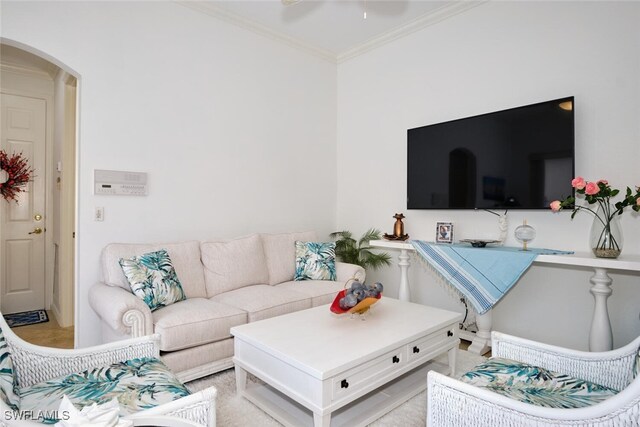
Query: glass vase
pixel 606 236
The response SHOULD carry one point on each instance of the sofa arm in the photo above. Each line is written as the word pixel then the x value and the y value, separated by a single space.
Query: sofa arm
pixel 346 271
pixel 125 312
pixel 608 368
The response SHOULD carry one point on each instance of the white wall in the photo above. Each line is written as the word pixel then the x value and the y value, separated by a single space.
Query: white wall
pixel 496 56
pixel 236 131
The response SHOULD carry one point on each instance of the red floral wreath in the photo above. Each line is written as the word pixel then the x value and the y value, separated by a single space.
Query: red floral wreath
pixel 19 174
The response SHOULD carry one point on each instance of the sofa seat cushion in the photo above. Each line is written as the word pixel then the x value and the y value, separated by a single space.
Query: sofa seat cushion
pixel 535 385
pixel 264 301
pixel 194 322
pixel 138 384
pixel 320 291
pixel 280 251
pixel 232 264
pixel 185 257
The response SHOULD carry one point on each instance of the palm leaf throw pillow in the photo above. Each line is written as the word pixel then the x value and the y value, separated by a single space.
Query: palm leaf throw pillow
pixel 315 261
pixel 153 279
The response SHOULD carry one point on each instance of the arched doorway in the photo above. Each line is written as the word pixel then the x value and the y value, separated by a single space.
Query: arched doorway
pixel 37 243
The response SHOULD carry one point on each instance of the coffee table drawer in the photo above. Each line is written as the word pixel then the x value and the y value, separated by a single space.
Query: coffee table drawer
pixel 425 346
pixel 372 371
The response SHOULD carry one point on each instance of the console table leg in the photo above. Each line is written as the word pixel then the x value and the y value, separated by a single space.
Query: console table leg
pixel 482 341
pixel 403 293
pixel 601 337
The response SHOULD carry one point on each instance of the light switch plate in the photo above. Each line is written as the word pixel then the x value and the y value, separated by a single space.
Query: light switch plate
pixel 99 214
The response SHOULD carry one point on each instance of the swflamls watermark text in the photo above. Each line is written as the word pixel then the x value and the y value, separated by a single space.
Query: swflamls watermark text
pixel 35 416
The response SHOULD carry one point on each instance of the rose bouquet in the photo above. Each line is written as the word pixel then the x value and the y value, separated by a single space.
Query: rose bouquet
pixel 604 241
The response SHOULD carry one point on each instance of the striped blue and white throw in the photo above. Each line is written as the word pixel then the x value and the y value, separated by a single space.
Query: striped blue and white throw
pixel 482 275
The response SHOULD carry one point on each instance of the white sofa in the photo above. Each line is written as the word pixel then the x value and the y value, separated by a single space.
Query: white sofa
pixel 227 283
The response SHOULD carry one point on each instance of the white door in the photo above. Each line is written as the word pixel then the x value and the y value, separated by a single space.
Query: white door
pixel 22 243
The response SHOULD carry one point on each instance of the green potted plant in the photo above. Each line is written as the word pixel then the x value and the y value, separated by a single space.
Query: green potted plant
pixel 358 251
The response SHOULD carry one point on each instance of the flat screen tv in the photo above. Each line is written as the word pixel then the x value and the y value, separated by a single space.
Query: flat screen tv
pixel 521 158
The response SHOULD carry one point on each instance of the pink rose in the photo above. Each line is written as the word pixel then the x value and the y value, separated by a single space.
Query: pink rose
pixel 555 205
pixel 592 188
pixel 578 183
pixel 638 201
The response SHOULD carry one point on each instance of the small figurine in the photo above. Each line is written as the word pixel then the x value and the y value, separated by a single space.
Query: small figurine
pixel 398 229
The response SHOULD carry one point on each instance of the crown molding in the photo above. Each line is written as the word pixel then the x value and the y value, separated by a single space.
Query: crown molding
pixel 423 21
pixel 217 12
pixel 445 12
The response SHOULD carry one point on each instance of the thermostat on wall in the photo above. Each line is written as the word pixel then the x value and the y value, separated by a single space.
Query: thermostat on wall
pixel 119 183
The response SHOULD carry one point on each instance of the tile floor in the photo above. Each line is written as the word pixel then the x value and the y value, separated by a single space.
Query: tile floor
pixel 48 334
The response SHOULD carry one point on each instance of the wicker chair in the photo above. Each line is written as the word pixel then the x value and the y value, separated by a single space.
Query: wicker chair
pixel 451 402
pixel 36 367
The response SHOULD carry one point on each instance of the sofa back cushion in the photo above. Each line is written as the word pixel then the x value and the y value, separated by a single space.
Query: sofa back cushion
pixel 233 264
pixel 280 252
pixel 185 257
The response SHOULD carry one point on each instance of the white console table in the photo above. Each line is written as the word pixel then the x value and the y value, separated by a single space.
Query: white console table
pixel 600 337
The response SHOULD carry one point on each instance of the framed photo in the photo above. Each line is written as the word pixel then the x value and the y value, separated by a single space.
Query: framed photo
pixel 444 232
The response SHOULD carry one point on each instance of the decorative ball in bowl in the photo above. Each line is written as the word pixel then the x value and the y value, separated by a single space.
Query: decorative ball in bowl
pixel 356 297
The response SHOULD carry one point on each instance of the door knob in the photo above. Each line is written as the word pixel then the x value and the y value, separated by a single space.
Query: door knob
pixel 37 217
pixel 37 230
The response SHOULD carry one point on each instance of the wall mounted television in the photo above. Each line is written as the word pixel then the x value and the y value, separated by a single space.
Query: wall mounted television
pixel 520 158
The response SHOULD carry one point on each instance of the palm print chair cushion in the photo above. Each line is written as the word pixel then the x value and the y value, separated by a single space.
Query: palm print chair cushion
pixel 34 379
pixel 8 383
pixel 535 385
pixel 138 384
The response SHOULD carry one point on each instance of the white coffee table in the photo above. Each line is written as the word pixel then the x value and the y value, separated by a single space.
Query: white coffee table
pixel 322 369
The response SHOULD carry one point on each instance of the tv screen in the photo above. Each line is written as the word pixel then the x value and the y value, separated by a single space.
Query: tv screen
pixel 521 158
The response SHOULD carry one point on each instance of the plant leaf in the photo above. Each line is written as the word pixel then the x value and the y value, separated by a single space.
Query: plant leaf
pixel 371 234
pixel 350 251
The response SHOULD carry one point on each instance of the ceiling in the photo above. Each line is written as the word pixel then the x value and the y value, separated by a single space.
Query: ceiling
pixel 334 29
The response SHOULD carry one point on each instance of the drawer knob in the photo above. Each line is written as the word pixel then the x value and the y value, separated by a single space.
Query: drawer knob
pixel 344 384
pixel 416 349
pixel 395 359
pixel 449 333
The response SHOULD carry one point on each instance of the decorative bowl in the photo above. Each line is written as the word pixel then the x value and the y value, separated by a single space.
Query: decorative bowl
pixel 478 243
pixel 360 308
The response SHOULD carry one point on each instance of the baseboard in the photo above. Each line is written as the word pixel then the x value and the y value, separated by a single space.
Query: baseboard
pixel 59 317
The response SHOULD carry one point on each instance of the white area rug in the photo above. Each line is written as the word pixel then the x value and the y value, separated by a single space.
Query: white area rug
pixel 233 411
